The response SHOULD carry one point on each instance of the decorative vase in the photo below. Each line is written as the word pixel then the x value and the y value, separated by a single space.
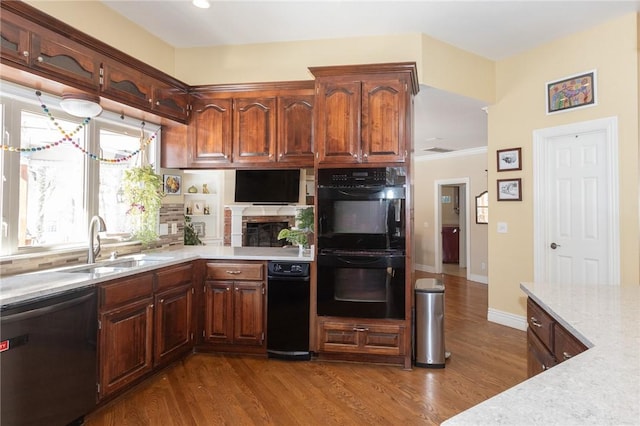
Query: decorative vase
pixel 192 189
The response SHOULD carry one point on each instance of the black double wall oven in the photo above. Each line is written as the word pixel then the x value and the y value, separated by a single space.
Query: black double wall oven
pixel 361 242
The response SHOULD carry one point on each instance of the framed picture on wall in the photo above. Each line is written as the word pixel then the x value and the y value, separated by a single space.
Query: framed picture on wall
pixel 509 159
pixel 510 189
pixel 571 92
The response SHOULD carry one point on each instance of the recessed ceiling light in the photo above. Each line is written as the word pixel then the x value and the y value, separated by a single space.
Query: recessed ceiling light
pixel 202 4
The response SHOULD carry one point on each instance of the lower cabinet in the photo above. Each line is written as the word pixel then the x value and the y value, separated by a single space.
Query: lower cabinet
pixel 361 337
pixel 235 308
pixel 145 321
pixel 548 343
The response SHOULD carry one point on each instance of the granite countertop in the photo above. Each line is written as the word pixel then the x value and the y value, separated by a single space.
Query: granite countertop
pixel 33 286
pixel 600 386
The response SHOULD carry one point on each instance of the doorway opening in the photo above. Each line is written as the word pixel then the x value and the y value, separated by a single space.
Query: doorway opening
pixel 452 225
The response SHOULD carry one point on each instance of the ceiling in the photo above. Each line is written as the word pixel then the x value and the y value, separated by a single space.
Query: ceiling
pixel 492 29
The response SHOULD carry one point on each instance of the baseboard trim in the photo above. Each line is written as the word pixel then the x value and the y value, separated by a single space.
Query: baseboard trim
pixel 425 268
pixel 505 318
pixel 482 279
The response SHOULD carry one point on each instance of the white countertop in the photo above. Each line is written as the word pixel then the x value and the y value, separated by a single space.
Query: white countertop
pixel 36 285
pixel 600 386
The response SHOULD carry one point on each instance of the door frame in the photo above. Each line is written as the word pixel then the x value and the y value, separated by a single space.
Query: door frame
pixel 542 138
pixel 464 224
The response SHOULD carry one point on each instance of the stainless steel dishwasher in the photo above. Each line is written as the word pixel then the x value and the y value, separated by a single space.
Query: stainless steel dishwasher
pixel 288 301
pixel 48 360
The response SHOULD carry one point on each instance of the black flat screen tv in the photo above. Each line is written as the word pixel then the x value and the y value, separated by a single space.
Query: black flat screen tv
pixel 272 186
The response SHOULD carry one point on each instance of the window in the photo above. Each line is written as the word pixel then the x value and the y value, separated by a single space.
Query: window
pixel 52 188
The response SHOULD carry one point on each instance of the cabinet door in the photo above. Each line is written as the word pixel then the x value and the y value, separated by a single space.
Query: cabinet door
pixel 254 130
pixel 127 85
pixel 15 39
pixel 295 130
pixel 337 122
pixel 170 101
pixel 173 323
pixel 539 358
pixel 65 60
pixel 125 345
pixel 210 132
pixel 450 244
pixel 248 313
pixel 383 127
pixel 565 344
pixel 218 325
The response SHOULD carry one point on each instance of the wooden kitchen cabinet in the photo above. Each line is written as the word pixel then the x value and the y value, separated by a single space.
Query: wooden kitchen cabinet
pixel 548 343
pixel 48 53
pixel 364 113
pixel 235 307
pixel 258 124
pixel 295 130
pixel 209 132
pixel 174 316
pixel 361 337
pixel 254 130
pixel 133 87
pixel 125 332
pixel 145 321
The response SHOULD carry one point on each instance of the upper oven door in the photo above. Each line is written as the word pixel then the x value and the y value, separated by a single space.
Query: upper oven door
pixel 361 218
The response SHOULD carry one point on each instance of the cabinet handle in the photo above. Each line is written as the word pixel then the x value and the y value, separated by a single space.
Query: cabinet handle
pixel 157 102
pixel 150 100
pixel 544 367
pixel 355 155
pixel 25 53
pixel 233 272
pixel 40 59
pixel 365 156
pixel 566 355
pixel 360 329
pixel 535 322
pixel 161 300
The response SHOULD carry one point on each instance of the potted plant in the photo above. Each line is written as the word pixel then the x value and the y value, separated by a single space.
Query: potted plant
pixel 300 235
pixel 190 236
pixel 143 193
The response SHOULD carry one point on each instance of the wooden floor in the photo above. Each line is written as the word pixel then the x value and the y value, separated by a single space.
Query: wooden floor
pixel 208 389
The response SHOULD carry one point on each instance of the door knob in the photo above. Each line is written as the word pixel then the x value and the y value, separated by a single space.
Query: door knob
pixel 554 246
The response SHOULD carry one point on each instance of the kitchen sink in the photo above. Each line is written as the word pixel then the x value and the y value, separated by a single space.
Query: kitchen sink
pixel 115 266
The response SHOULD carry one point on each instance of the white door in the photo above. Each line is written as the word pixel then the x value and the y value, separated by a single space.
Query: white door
pixel 577 203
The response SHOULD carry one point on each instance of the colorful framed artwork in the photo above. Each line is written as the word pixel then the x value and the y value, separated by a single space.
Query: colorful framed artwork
pixel 172 184
pixel 509 159
pixel 510 189
pixel 571 92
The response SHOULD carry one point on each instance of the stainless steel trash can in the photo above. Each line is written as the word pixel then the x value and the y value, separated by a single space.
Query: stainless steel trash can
pixel 429 323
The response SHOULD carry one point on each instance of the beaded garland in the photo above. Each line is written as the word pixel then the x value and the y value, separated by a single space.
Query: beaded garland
pixel 68 137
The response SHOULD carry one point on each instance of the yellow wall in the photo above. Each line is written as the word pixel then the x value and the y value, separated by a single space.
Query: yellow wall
pixel 99 21
pixel 515 84
pixel 611 48
pixel 426 171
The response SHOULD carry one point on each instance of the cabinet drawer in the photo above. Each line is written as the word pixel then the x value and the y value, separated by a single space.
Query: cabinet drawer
pixel 566 345
pixel 126 290
pixel 174 277
pixel 235 271
pixel 540 323
pixel 379 339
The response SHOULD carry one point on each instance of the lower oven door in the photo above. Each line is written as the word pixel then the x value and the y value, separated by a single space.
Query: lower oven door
pixel 361 286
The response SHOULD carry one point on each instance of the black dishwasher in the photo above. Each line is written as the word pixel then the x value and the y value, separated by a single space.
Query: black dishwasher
pixel 48 360
pixel 288 310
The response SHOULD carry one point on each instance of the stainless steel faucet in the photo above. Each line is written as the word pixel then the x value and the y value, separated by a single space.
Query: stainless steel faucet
pixel 95 251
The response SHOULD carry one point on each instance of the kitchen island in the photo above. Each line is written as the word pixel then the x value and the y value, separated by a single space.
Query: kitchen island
pixel 600 386
pixel 21 288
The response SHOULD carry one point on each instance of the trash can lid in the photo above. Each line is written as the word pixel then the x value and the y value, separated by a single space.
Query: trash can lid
pixel 429 285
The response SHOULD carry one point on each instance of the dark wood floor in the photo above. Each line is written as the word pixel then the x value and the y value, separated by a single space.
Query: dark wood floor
pixel 209 389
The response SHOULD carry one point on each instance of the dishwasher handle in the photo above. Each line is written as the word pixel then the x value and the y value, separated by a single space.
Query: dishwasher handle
pixel 33 313
pixel 287 278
